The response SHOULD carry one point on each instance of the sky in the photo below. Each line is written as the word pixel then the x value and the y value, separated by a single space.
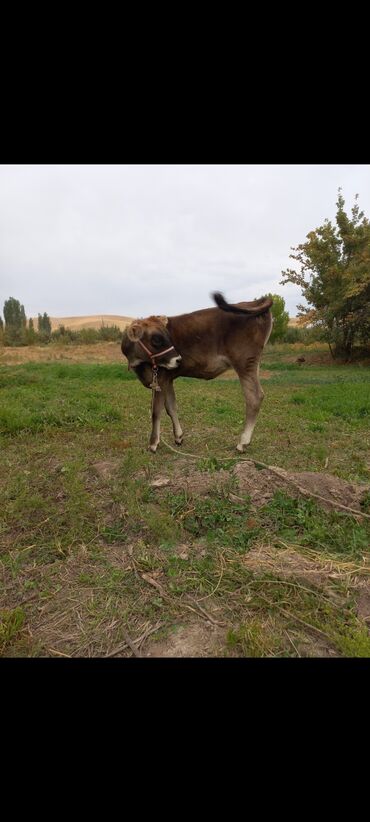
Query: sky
pixel 144 239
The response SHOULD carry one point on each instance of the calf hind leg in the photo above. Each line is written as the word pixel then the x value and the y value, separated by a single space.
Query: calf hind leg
pixel 253 394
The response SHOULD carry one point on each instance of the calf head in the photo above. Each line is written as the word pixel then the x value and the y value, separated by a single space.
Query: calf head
pixel 148 341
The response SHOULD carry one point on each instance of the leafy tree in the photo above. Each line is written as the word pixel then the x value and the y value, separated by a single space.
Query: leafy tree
pixel 31 335
pixel 47 324
pixel 335 279
pixel 293 334
pixel 14 314
pixel 44 327
pixel 15 322
pixel 281 318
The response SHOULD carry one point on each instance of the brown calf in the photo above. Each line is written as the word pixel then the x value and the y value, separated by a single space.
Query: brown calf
pixel 202 344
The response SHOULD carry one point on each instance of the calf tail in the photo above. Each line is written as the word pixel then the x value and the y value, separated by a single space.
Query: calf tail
pixel 253 309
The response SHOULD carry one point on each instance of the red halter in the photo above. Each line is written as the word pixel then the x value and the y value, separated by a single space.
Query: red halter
pixel 153 356
pixel 154 384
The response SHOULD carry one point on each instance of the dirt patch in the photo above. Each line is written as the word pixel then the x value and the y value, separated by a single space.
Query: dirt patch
pixel 313 648
pixel 195 640
pixel 363 603
pixel 198 483
pixel 261 484
pixel 105 468
pixel 160 482
pixel 182 550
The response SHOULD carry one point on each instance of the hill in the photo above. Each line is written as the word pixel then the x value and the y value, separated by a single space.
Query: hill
pixel 92 321
pixel 97 320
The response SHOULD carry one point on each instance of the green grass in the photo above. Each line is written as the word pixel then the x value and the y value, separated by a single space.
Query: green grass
pixel 11 622
pixel 223 522
pixel 216 518
pixel 303 522
pixel 80 524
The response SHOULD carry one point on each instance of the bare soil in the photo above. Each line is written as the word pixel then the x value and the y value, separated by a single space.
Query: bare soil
pixel 261 484
pixel 194 640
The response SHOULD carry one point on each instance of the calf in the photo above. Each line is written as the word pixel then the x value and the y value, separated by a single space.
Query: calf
pixel 202 344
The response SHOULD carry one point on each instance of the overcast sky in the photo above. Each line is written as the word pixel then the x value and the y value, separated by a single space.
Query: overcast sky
pixel 142 239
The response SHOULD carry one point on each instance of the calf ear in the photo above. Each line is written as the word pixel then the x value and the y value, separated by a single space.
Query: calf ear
pixel 162 319
pixel 135 332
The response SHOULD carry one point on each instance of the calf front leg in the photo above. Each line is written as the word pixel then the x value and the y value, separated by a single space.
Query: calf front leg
pixel 170 403
pixel 158 405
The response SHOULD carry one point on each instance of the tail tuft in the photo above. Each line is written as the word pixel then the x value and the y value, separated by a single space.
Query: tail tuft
pixel 252 309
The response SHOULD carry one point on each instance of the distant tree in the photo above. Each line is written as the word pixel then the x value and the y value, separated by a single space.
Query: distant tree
pixel 15 322
pixel 44 327
pixel 31 335
pixel 335 279
pixel 14 314
pixel 1 331
pixel 281 318
pixel 47 324
pixel 1 324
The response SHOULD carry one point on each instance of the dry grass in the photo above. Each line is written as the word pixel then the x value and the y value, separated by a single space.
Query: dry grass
pixel 104 352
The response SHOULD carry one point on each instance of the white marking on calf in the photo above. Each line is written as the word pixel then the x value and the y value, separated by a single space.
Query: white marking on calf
pixel 173 363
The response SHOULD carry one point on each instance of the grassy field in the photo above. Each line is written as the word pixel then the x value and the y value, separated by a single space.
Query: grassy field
pixel 107 550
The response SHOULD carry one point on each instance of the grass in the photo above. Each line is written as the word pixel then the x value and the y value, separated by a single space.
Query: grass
pixel 303 522
pixel 89 550
pixel 11 622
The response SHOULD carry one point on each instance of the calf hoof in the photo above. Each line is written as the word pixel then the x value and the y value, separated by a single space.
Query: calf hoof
pixel 240 447
pixel 153 448
pixel 179 442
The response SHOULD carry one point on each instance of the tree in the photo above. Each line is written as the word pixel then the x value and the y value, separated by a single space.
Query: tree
pixel 31 333
pixel 281 318
pixel 47 324
pixel 15 321
pixel 14 314
pixel 44 327
pixel 335 279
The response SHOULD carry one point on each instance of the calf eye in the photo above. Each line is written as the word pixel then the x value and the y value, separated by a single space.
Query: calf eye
pixel 158 340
